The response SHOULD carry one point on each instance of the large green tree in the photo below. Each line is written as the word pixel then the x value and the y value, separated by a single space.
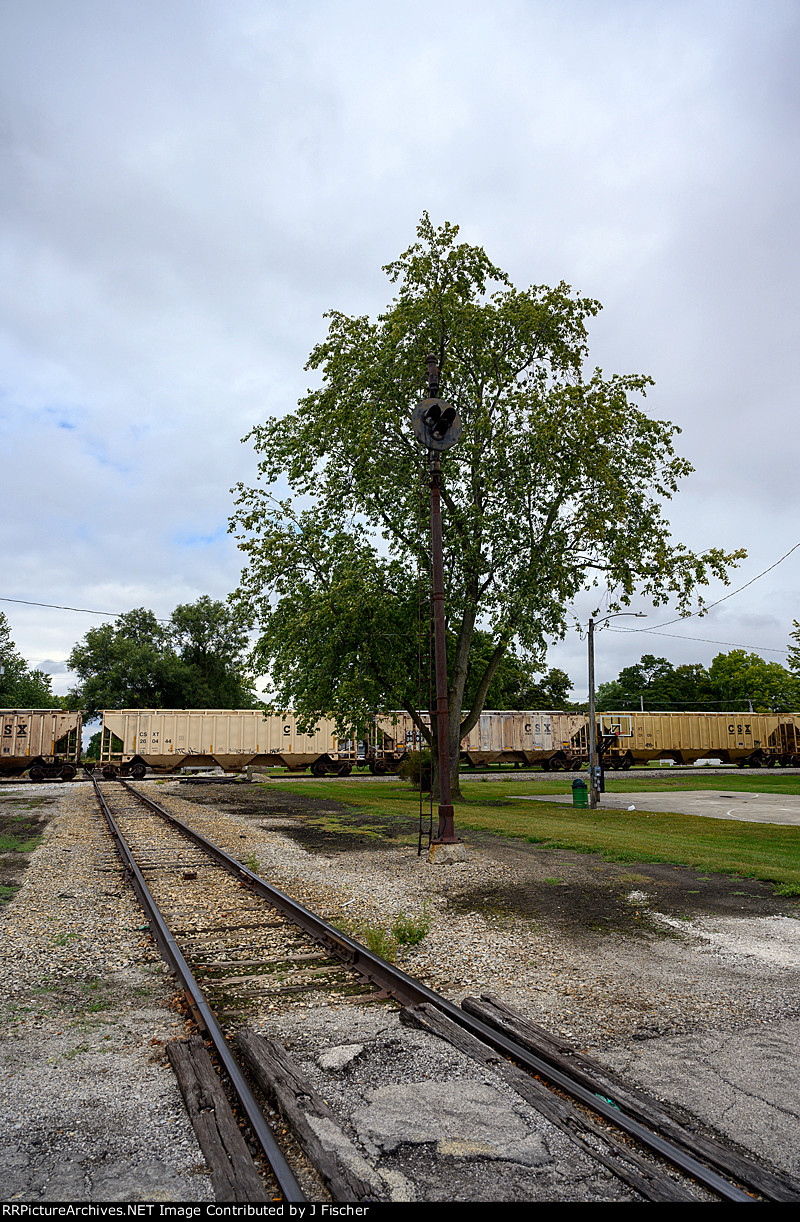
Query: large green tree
pixel 793 651
pixel 196 660
pixel 557 484
pixel 211 638
pixel 654 683
pixel 518 682
pixel 745 681
pixel 127 664
pixel 21 687
pixel 735 682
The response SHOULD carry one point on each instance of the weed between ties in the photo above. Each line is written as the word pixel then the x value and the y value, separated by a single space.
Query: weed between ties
pixel 405 931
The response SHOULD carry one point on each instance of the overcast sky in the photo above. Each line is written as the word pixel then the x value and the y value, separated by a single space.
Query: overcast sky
pixel 188 185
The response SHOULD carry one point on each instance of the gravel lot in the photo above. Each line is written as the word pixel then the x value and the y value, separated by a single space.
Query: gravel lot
pixel 91 1111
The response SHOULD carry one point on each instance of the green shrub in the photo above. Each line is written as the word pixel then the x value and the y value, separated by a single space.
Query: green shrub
pixel 410 930
pixel 416 768
pixel 385 940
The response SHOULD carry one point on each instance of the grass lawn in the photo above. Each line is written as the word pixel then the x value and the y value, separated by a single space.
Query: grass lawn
pixel 763 780
pixel 766 851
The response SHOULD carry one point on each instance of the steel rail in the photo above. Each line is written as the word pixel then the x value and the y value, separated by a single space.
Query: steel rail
pixel 411 992
pixel 290 1189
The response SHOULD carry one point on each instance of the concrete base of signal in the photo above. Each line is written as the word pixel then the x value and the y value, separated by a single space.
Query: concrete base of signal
pixel 447 854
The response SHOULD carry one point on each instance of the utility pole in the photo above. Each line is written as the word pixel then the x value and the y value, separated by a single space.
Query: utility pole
pixel 437 427
pixel 595 767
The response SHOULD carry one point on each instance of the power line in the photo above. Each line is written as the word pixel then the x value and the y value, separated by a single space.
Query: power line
pixel 725 597
pixel 705 640
pixel 752 579
pixel 26 602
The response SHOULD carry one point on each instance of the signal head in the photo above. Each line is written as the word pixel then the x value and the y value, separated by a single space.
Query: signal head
pixel 436 424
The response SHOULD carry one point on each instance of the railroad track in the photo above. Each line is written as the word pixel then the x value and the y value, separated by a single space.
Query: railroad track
pixel 236 943
pixel 523 774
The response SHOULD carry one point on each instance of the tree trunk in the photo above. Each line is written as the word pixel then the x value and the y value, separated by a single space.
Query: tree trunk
pixel 455 756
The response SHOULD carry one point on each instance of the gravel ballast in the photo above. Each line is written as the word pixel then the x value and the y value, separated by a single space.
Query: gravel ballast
pixel 89 1110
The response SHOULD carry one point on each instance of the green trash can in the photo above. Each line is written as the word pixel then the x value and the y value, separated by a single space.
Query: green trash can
pixel 580 793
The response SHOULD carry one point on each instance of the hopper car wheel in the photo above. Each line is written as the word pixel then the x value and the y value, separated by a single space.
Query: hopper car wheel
pixel 138 772
pixel 770 761
pixel 36 773
pixel 344 769
pixel 575 765
pixel 740 763
pixel 377 768
pixel 67 773
pixel 317 768
pixel 755 763
pixel 109 773
pixel 626 763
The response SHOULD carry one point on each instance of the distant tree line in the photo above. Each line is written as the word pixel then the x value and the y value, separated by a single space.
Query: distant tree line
pixel 734 682
pixel 195 660
pixel 200 658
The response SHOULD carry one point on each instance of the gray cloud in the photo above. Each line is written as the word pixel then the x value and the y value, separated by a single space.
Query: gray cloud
pixel 186 188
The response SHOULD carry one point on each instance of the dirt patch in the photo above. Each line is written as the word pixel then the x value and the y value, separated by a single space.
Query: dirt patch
pixel 22 823
pixel 323 826
pixel 578 894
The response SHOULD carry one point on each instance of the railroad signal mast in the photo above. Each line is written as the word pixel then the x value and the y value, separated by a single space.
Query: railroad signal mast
pixel 437 427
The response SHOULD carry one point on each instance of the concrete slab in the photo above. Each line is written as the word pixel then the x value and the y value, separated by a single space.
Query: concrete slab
pixel 708 803
pixel 465 1119
pixel 744 1082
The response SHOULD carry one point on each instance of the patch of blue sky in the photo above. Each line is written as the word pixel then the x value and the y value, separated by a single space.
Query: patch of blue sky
pixel 98 452
pixel 190 539
pixel 23 421
pixel 72 419
pixel 63 417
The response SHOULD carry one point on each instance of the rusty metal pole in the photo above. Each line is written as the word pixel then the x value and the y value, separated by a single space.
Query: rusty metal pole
pixel 437 427
pixel 594 788
pixel 446 832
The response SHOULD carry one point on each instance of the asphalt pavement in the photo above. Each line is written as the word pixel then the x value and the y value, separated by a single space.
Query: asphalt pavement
pixel 709 803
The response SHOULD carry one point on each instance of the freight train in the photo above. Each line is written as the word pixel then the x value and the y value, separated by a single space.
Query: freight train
pixel 46 742
pixel 168 739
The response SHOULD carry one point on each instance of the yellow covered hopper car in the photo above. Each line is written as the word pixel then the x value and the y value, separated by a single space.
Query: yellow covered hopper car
pixel 42 742
pixel 746 739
